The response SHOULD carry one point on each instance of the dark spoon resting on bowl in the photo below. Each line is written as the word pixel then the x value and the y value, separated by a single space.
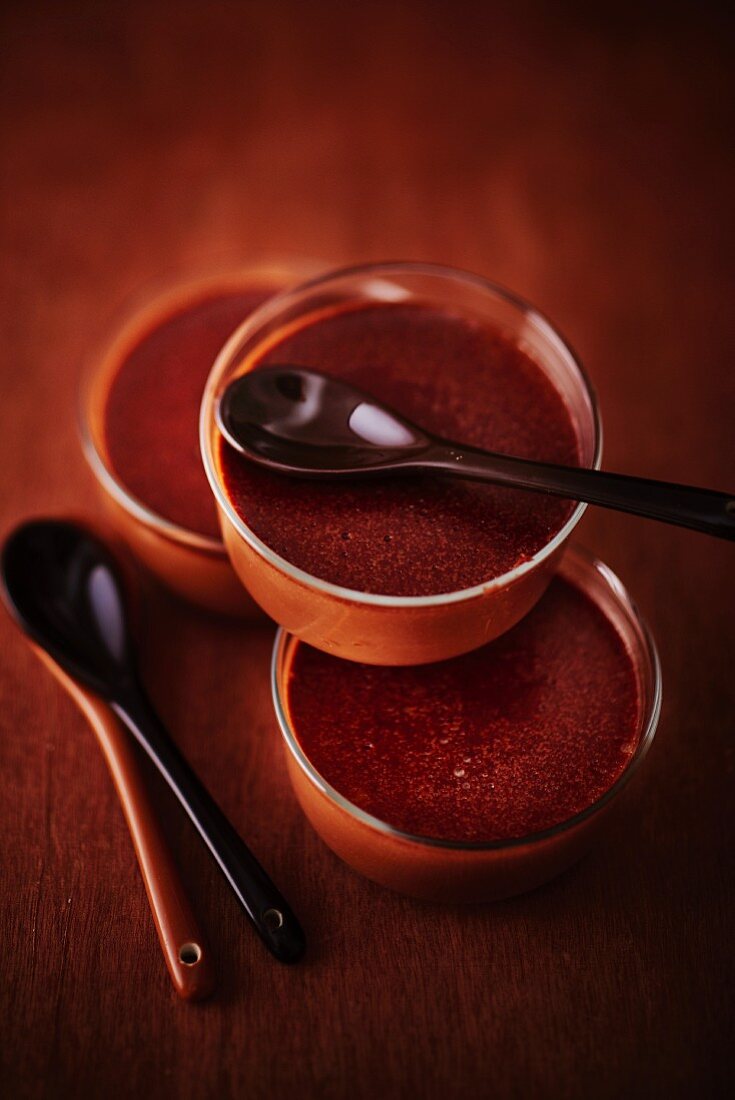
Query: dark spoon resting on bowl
pixel 297 421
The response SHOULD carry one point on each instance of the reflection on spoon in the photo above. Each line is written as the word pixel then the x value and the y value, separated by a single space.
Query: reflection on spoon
pixel 377 427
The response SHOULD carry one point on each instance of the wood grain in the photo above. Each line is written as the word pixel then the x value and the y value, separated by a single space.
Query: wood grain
pixel 580 155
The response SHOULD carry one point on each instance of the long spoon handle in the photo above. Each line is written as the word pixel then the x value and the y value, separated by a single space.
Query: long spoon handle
pixel 683 505
pixel 268 910
pixel 185 950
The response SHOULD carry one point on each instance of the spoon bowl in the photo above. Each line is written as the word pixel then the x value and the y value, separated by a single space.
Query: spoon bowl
pixel 303 423
pixel 64 589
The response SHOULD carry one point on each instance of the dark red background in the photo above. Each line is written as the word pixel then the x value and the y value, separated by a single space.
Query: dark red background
pixel 582 157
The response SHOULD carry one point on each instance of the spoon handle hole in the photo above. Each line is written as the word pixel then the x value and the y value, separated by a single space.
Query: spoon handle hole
pixel 273 919
pixel 190 954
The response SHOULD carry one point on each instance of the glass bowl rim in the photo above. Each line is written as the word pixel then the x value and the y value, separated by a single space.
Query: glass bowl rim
pixel 133 314
pixel 649 723
pixel 267 312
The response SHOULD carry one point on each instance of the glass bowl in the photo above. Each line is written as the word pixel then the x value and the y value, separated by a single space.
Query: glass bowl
pixel 471 871
pixel 192 564
pixel 363 626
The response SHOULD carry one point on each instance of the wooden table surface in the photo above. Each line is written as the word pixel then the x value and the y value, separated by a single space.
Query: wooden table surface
pixel 581 158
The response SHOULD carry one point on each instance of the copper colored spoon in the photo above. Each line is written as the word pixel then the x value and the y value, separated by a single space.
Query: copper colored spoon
pixel 297 421
pixel 184 949
pixel 64 588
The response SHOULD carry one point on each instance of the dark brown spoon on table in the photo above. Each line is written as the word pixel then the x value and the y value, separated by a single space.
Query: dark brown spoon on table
pixel 64 589
pixel 301 422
